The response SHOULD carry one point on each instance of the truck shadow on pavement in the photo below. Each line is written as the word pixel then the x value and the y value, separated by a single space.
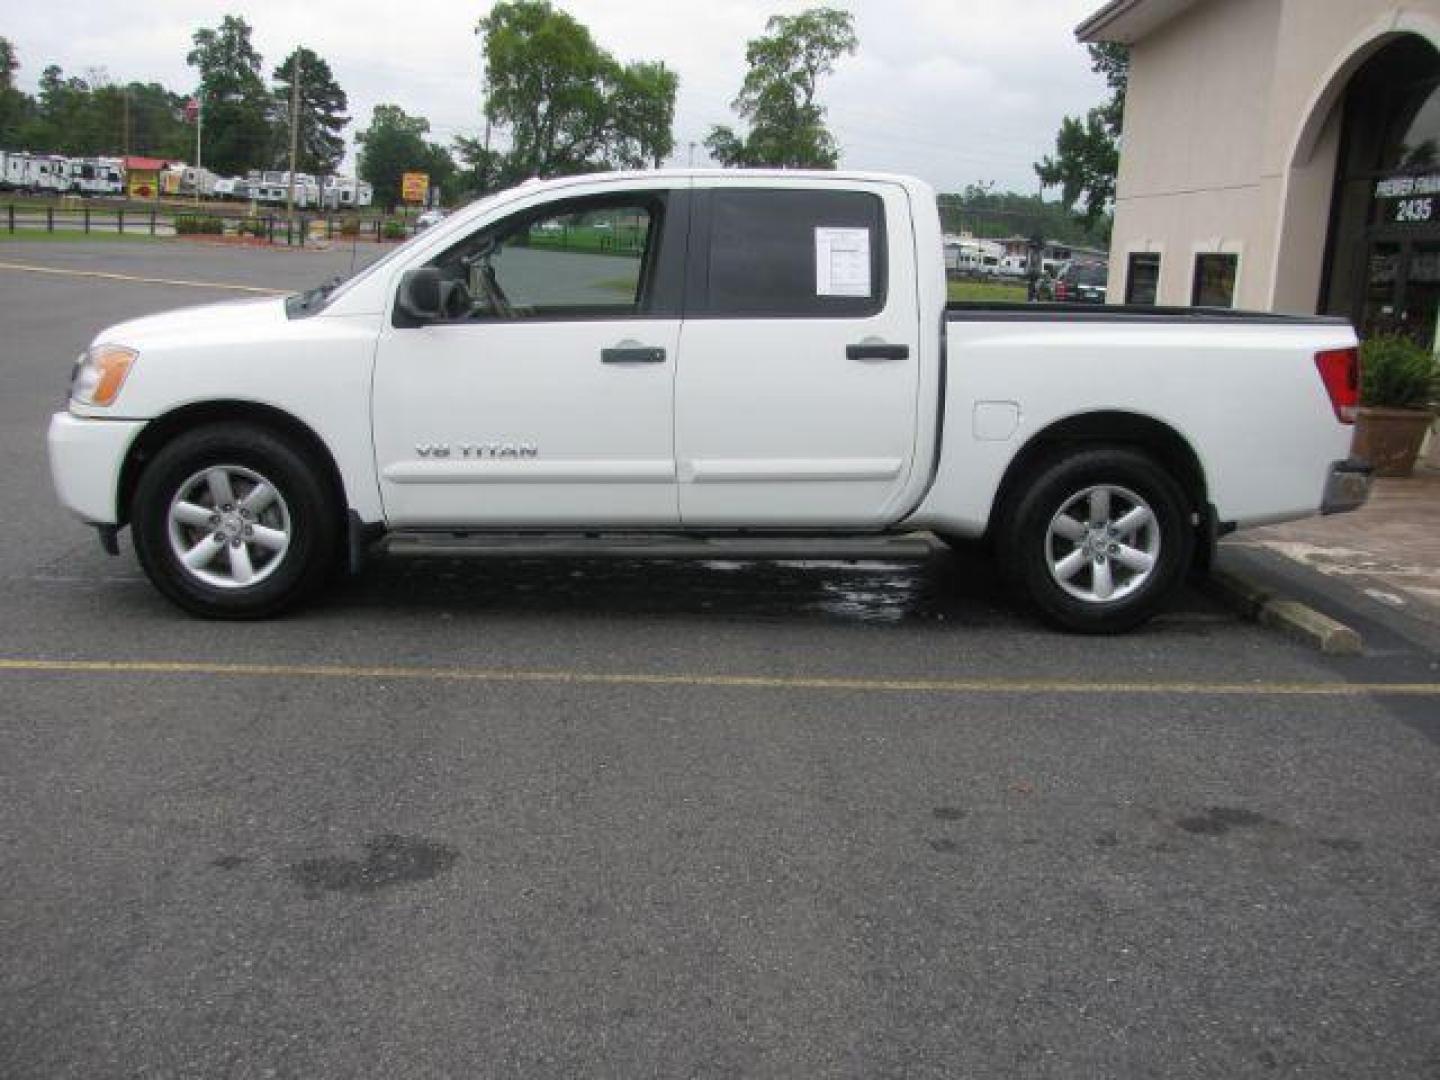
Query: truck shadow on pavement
pixel 965 589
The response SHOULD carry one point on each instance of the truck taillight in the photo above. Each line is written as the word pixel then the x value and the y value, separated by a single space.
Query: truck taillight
pixel 1340 372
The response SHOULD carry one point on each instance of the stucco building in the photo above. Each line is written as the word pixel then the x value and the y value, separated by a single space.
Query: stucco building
pixel 1280 154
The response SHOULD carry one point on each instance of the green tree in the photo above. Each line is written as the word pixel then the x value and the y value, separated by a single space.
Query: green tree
pixel 778 97
pixel 989 214
pixel 322 114
pixel 236 134
pixel 60 122
pixel 90 116
pixel 15 106
pixel 569 106
pixel 391 146
pixel 482 168
pixel 1087 149
pixel 156 122
pixel 444 172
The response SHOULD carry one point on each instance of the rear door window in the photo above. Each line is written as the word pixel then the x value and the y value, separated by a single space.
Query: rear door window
pixel 790 253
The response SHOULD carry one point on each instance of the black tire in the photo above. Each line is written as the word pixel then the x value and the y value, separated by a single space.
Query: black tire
pixel 273 577
pixel 965 546
pixel 1037 560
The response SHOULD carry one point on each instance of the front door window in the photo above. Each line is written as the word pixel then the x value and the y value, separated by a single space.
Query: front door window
pixel 586 259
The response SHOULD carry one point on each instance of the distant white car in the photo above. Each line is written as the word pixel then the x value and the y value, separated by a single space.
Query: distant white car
pixel 428 218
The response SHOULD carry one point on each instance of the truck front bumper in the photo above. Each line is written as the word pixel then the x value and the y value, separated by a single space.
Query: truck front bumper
pixel 1347 486
pixel 86 457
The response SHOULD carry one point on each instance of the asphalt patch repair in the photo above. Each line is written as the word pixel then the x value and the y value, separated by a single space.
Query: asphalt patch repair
pixel 389 860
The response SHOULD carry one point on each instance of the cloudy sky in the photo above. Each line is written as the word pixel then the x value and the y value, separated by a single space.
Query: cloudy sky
pixel 955 91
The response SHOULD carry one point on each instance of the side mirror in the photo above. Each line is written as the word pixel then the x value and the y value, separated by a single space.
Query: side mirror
pixel 420 296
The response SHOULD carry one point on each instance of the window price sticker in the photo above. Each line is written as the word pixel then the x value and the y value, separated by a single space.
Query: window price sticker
pixel 842 262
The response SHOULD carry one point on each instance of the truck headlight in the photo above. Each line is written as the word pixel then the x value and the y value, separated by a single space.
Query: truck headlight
pixel 100 373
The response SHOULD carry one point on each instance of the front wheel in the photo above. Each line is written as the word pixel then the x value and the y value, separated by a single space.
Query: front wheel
pixel 1099 539
pixel 234 522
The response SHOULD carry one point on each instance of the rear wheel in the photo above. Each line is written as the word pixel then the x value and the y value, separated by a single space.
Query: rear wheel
pixel 234 521
pixel 1099 539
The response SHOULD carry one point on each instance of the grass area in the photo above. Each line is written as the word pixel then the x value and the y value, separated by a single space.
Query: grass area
pixel 987 291
pixel 75 236
pixel 588 239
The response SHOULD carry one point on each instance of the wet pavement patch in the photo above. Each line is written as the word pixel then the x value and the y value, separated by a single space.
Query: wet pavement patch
pixel 389 860
pixel 229 862
pixel 948 813
pixel 1219 820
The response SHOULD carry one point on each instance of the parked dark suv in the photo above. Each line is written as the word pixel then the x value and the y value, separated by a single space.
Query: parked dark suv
pixel 1080 283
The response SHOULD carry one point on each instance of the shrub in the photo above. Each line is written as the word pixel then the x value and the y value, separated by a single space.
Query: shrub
pixel 198 224
pixel 394 230
pixel 350 226
pixel 252 227
pixel 1397 373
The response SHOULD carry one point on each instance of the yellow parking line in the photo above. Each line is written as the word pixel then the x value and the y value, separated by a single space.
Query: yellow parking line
pixel 757 682
pixel 26 267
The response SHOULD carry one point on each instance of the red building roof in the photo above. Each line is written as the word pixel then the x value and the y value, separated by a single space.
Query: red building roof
pixel 146 164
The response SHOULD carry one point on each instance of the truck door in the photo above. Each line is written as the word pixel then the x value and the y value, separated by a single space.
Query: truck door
pixel 797 387
pixel 549 399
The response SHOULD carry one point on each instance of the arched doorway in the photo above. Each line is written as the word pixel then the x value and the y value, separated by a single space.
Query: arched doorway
pixel 1382 263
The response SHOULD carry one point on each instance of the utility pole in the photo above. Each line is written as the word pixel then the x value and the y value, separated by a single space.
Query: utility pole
pixel 126 100
pixel 199 126
pixel 294 129
pixel 485 162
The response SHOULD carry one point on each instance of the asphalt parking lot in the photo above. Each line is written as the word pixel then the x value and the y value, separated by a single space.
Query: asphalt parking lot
pixel 517 817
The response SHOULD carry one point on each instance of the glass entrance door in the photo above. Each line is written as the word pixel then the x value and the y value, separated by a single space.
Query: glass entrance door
pixel 1381 304
pixel 1402 290
pixel 1420 303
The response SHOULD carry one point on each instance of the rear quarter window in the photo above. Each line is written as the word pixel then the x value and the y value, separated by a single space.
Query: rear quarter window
pixel 762 255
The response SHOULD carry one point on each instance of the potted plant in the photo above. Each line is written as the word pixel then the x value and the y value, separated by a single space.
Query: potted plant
pixel 1398 390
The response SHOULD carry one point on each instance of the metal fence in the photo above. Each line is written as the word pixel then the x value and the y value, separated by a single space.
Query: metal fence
pixel 276 229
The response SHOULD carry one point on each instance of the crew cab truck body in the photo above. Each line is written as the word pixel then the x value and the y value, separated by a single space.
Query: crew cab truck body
pixel 698 354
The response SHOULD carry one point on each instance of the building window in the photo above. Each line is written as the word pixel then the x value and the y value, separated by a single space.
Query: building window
pixel 1142 278
pixel 1215 280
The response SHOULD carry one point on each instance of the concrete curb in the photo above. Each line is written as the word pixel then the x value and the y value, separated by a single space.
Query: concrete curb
pixel 1253 601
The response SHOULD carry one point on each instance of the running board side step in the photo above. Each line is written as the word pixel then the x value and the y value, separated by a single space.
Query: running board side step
pixel 918 545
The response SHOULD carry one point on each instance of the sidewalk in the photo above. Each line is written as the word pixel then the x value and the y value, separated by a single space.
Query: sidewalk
pixel 1389 550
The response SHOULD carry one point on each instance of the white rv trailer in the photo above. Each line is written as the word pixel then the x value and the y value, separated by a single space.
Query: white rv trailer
pixel 232 187
pixel 965 255
pixel 95 176
pixel 307 190
pixel 347 193
pixel 38 172
pixel 195 180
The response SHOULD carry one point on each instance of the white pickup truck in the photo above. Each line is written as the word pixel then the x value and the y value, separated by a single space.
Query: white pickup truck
pixel 699 355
